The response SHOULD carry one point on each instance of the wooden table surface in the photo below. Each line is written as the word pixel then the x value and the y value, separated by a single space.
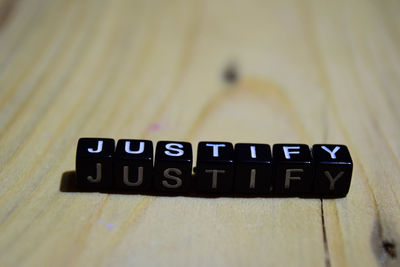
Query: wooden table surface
pixel 238 71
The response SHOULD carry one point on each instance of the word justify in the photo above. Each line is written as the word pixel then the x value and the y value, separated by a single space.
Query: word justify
pixel 289 169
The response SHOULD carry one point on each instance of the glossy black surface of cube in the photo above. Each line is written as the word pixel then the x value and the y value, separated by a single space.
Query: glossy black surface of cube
pixel 293 169
pixel 173 166
pixel 253 165
pixel 133 164
pixel 94 163
pixel 333 170
pixel 215 167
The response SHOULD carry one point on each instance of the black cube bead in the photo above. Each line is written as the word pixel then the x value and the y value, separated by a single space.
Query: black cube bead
pixel 293 169
pixel 94 163
pixel 173 166
pixel 215 169
pixel 133 164
pixel 333 169
pixel 253 165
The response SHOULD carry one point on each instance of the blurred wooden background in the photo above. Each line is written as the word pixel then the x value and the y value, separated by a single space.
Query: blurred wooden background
pixel 239 71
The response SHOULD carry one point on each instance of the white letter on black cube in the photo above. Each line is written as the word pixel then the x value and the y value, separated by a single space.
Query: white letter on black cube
pixel 293 169
pixel 133 164
pixel 173 166
pixel 214 170
pixel 94 163
pixel 253 168
pixel 333 169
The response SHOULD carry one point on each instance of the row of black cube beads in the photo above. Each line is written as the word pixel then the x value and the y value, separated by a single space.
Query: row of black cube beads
pixel 290 169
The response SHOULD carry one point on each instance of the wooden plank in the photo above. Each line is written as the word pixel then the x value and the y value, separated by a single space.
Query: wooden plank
pixel 310 71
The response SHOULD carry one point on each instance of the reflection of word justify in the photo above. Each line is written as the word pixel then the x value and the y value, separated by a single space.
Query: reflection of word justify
pixel 291 169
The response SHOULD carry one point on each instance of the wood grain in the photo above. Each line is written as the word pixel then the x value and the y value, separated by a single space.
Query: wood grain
pixel 309 71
